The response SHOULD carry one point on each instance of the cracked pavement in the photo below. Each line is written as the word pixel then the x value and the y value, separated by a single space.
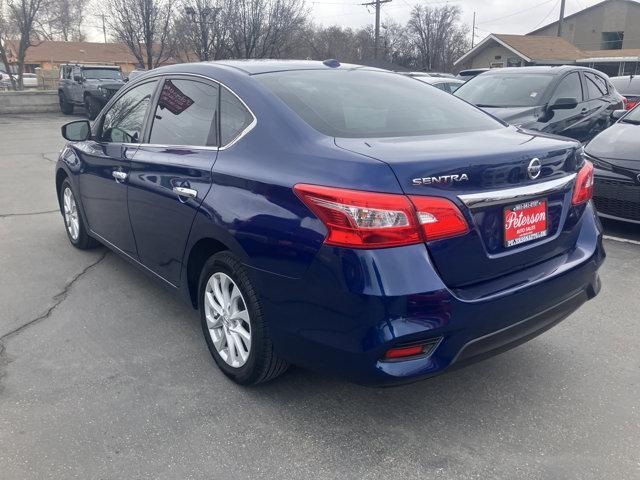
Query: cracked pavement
pixel 104 374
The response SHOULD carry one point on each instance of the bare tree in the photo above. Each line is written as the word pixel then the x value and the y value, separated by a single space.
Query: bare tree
pixel 145 26
pixel 5 33
pixel 200 30
pixel 62 20
pixel 437 35
pixel 263 28
pixel 20 22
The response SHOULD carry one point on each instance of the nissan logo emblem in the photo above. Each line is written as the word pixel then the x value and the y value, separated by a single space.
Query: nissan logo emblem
pixel 534 168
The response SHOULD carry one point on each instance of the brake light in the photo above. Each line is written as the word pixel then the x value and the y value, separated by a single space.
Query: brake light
pixel 362 219
pixel 359 219
pixel 631 104
pixel 583 190
pixel 439 218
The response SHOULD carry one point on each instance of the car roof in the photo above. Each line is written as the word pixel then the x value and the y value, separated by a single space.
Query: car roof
pixel 628 84
pixel 432 80
pixel 255 67
pixel 82 65
pixel 552 70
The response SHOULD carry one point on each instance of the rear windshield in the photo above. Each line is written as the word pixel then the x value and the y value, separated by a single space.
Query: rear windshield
pixel 102 73
pixel 505 90
pixel 369 104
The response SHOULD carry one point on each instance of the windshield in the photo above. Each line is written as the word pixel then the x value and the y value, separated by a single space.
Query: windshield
pixel 102 73
pixel 369 104
pixel 505 90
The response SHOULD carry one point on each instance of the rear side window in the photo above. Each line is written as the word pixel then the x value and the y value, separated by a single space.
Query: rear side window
pixel 186 114
pixel 234 117
pixel 124 120
pixel 596 85
pixel 367 104
pixel 569 87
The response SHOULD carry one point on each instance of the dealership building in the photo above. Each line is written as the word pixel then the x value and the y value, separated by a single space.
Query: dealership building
pixel 605 36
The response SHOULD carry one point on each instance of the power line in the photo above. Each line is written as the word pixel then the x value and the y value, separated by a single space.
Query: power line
pixel 547 15
pixel 515 13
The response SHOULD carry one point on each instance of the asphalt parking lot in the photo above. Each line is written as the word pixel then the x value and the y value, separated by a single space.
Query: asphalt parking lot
pixel 105 375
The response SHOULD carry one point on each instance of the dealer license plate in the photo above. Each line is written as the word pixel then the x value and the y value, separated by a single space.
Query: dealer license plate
pixel 525 222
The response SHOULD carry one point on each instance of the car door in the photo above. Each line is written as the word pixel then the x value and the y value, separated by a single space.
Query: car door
pixel 106 163
pixel 171 173
pixel 569 122
pixel 599 111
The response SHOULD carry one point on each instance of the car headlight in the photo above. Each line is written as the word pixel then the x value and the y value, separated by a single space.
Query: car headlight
pixel 103 91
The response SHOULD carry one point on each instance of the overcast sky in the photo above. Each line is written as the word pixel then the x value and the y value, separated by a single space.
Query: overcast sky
pixel 492 16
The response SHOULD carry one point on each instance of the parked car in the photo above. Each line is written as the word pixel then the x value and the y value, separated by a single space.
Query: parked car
pixel 29 80
pixel 449 85
pixel 615 154
pixel 629 87
pixel 576 102
pixel 471 73
pixel 348 220
pixel 428 74
pixel 90 86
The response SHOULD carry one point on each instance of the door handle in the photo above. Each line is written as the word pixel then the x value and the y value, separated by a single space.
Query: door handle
pixel 119 175
pixel 185 192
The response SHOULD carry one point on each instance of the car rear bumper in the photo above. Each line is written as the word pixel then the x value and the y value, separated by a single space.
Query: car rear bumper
pixel 353 306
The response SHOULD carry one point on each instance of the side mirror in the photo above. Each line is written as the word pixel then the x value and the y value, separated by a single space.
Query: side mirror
pixel 126 79
pixel 564 104
pixel 77 78
pixel 617 114
pixel 77 131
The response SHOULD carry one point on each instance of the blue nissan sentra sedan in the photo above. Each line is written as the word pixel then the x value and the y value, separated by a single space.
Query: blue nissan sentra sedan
pixel 341 218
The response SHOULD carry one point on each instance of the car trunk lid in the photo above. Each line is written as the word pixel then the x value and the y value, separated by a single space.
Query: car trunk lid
pixel 485 173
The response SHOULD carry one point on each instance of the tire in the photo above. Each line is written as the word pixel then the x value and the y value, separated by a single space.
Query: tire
pixel 261 363
pixel 92 107
pixel 65 106
pixel 73 221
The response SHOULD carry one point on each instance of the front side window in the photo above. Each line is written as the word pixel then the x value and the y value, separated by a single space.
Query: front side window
pixel 369 104
pixel 186 114
pixel 596 85
pixel 124 121
pixel 569 87
pixel 505 89
pixel 234 117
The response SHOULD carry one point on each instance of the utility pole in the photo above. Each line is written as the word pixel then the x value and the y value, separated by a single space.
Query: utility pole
pixel 377 4
pixel 473 31
pixel 561 20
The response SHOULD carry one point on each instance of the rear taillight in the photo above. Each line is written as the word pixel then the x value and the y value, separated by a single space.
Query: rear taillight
pixel 359 219
pixel 439 218
pixel 583 190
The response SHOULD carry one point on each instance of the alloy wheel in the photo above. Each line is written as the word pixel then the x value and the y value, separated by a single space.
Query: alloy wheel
pixel 71 218
pixel 228 319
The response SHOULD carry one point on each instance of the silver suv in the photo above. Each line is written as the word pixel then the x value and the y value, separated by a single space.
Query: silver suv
pixel 90 86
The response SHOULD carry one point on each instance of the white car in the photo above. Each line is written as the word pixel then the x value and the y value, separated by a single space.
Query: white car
pixel 30 80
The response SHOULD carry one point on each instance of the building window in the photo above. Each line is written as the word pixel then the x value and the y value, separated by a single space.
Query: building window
pixel 612 40
pixel 496 65
pixel 514 62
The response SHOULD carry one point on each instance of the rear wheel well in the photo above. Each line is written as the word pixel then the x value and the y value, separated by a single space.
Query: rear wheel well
pixel 199 254
pixel 60 176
